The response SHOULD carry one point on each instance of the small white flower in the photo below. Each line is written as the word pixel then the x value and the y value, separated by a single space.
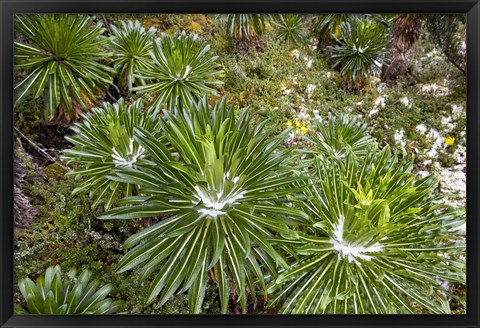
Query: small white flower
pixel 295 53
pixel 421 128
pixel 310 89
pixel 406 102
pixel 380 101
pixel 308 61
pixel 457 110
pixel 399 137
pixel 436 90
pixel 303 116
pixel 382 87
pixel 373 112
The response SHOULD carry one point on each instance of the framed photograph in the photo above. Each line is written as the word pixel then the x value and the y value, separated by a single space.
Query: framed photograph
pixel 246 163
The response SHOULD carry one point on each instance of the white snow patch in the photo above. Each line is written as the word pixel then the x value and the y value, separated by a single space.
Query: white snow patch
pixel 457 110
pixel 310 89
pixel 373 111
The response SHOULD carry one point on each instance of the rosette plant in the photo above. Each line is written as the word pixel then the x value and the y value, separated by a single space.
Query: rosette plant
pixel 183 69
pixel 360 51
pixel 291 28
pixel 339 136
pixel 245 26
pixel 329 25
pixel 222 199
pixel 55 293
pixel 104 142
pixel 378 242
pixel 327 28
pixel 63 61
pixel 131 45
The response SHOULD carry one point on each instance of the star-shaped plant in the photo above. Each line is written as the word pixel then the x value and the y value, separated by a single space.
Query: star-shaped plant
pixel 104 142
pixel 223 195
pixel 183 70
pixel 378 242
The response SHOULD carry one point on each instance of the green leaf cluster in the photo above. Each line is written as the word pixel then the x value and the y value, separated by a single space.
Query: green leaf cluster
pixel 182 70
pixel 220 188
pixel 104 140
pixel 351 231
pixel 291 28
pixel 245 26
pixel 361 48
pixel 63 57
pixel 130 47
pixel 328 25
pixel 338 137
pixel 378 242
pixel 54 293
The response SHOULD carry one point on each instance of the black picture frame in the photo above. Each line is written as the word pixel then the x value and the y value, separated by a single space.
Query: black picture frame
pixel 9 7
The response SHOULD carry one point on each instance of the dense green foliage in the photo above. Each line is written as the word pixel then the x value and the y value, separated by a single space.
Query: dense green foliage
pixel 55 293
pixel 339 137
pixel 63 61
pixel 444 31
pixel 378 241
pixel 245 26
pixel 104 141
pixel 130 50
pixel 361 47
pixel 291 28
pixel 183 70
pixel 329 24
pixel 222 198
pixel 305 201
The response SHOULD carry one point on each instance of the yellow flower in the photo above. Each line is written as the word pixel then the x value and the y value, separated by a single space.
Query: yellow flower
pixel 449 141
pixel 297 131
pixel 289 123
pixel 298 124
pixel 304 129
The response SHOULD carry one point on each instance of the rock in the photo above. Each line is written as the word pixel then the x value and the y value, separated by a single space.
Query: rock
pixel 25 170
